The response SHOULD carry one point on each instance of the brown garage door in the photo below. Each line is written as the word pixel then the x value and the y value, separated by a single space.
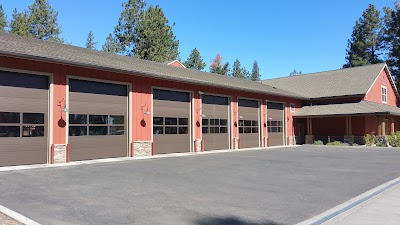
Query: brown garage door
pixel 215 122
pixel 249 125
pixel 275 123
pixel 23 118
pixel 171 121
pixel 97 120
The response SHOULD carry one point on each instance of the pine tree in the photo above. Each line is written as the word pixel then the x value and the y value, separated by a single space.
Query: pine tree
pixel 156 40
pixel 255 72
pixel 218 67
pixel 391 38
pixel 3 20
pixel 40 22
pixel 195 61
pixel 236 69
pixel 20 24
pixel 295 73
pixel 111 45
pixel 128 24
pixel 43 21
pixel 240 72
pixel 90 43
pixel 365 43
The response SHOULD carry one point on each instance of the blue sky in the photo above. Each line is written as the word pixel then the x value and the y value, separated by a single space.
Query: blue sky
pixel 307 35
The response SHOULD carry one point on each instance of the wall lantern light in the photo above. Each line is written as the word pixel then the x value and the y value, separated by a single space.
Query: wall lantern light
pixel 147 112
pixel 63 109
pixel 240 117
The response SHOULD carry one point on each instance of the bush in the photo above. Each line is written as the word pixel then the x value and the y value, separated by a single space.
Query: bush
pixel 381 141
pixel 318 142
pixel 334 143
pixel 394 139
pixel 370 139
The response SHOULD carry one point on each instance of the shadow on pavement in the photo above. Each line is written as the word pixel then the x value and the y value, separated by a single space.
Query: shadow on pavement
pixel 230 221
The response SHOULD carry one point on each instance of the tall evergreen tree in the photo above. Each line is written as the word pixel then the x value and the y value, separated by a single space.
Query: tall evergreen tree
pixel 240 72
pixel 40 21
pixel 128 24
pixel 43 21
pixel 392 40
pixel 90 43
pixel 255 72
pixel 111 45
pixel 218 67
pixel 365 43
pixel 156 40
pixel 236 69
pixel 195 61
pixel 3 20
pixel 20 24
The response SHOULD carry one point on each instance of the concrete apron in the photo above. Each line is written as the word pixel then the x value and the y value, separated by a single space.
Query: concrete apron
pixel 353 203
pixel 119 159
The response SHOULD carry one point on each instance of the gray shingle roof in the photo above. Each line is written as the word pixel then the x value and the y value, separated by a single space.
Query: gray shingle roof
pixel 53 52
pixel 342 82
pixel 362 107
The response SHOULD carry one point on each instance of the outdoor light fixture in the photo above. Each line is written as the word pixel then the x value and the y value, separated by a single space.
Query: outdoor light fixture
pixel 240 117
pixel 65 109
pixel 200 92
pixel 202 115
pixel 269 118
pixel 147 112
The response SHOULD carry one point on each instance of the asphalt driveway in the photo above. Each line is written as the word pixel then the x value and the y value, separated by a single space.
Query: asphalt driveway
pixel 279 186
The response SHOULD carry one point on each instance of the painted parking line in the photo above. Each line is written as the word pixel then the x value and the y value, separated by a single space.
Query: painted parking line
pixel 16 216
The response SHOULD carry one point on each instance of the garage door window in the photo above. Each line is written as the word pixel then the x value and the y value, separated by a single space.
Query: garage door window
pixel 170 125
pixel 32 124
pixel 215 126
pixel 92 125
pixel 248 126
pixel 275 126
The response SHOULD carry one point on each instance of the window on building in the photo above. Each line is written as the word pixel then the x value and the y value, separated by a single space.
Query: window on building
pixel 170 125
pixel 17 124
pixel 292 107
pixel 93 125
pixel 274 126
pixel 384 94
pixel 248 126
pixel 215 126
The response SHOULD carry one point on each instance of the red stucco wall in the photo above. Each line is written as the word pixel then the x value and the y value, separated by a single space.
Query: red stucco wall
pixel 329 126
pixel 358 125
pixel 375 92
pixel 371 125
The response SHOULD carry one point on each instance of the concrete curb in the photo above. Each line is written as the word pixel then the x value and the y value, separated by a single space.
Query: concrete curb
pixel 121 159
pixel 16 216
pixel 350 204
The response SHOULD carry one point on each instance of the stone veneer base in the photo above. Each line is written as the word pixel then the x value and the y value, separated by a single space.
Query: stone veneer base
pixel 60 153
pixel 142 148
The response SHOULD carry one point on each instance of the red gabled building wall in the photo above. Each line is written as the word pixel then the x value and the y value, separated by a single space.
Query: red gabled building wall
pixel 375 94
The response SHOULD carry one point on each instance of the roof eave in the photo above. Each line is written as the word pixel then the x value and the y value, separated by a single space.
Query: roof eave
pixel 138 73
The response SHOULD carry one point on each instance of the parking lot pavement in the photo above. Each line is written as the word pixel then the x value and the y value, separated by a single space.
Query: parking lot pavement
pixel 279 186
